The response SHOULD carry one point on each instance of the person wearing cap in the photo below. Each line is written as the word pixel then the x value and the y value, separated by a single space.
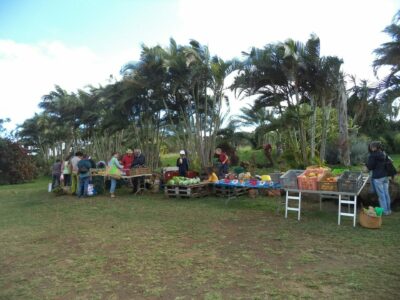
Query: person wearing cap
pixel 127 161
pixel 182 163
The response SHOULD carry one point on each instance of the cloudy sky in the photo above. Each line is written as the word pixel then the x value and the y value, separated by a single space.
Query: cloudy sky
pixel 74 43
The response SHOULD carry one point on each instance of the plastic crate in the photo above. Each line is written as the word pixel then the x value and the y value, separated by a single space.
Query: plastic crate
pixel 289 179
pixel 310 183
pixel 350 182
pixel 325 185
pixel 276 177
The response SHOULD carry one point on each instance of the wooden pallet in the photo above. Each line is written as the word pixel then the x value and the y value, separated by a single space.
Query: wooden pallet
pixel 230 191
pixel 187 191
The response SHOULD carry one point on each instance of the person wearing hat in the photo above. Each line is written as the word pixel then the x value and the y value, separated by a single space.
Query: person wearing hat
pixel 127 161
pixel 182 163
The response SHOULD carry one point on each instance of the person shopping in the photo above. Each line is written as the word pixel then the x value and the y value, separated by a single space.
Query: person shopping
pixel 127 161
pixel 379 178
pixel 83 176
pixel 114 164
pixel 223 161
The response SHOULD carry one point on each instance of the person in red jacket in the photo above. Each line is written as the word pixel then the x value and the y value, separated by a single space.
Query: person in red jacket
pixel 268 154
pixel 223 163
pixel 127 161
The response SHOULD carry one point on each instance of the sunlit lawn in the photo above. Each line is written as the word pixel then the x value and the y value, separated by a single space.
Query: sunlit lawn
pixel 149 247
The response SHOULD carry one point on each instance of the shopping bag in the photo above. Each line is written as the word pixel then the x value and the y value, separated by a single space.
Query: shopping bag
pixel 113 172
pixel 91 191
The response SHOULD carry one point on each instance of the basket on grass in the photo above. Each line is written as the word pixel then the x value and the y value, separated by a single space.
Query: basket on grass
pixel 369 221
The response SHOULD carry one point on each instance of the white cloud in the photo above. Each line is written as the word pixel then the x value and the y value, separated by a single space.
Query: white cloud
pixel 349 29
pixel 346 27
pixel 27 72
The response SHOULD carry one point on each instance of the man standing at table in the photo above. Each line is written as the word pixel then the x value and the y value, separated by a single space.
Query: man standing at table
pixel 75 176
pixel 138 162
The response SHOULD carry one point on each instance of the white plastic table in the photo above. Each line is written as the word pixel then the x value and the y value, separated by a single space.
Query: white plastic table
pixel 349 198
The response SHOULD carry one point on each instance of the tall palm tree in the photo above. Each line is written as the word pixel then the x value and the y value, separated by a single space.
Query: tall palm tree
pixel 388 54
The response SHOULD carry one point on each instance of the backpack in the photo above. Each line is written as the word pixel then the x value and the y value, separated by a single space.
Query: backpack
pixel 82 168
pixel 389 167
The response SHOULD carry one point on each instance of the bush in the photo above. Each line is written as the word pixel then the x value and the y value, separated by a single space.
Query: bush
pixel 396 143
pixel 16 166
pixel 359 151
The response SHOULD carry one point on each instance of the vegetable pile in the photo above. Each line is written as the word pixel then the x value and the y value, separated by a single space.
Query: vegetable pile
pixel 178 180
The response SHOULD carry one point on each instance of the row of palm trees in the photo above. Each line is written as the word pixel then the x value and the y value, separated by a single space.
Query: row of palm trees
pixel 177 93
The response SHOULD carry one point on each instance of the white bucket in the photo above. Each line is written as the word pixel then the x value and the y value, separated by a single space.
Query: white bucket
pixel 49 187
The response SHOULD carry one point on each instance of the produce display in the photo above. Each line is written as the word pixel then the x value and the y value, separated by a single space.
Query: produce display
pixel 179 180
pixel 373 212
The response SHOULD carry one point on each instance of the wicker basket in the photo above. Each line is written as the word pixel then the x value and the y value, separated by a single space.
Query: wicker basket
pixel 140 171
pixel 325 185
pixel 369 221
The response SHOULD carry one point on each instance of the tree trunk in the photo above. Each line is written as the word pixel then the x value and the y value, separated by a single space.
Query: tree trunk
pixel 303 136
pixel 313 125
pixel 326 111
pixel 344 142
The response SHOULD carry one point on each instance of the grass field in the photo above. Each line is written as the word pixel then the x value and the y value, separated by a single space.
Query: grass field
pixel 150 247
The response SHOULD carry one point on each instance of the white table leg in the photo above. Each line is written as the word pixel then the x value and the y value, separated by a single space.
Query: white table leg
pixel 355 211
pixel 298 208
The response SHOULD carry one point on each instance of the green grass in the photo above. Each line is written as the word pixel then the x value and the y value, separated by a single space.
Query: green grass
pixel 149 247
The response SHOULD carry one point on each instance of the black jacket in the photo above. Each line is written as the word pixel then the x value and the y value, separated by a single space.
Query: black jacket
pixel 183 167
pixel 138 161
pixel 376 164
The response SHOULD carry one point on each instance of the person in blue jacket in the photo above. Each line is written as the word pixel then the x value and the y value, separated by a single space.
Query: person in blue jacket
pixel 84 166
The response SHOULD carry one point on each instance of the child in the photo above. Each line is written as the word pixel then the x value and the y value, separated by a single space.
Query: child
pixel 212 177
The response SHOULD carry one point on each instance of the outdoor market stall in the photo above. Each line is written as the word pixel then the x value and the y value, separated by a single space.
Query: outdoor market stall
pixel 232 188
pixel 345 189
pixel 141 173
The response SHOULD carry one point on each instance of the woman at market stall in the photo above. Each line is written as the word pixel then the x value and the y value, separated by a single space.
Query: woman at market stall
pixel 127 161
pixel 67 171
pixel 223 163
pixel 379 178
pixel 114 165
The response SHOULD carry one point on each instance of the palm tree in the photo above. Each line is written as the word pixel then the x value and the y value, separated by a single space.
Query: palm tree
pixel 388 54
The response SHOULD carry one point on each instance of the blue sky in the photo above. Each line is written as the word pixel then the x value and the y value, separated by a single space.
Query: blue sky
pixel 76 43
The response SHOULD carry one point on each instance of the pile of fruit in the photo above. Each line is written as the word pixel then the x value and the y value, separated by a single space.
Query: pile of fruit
pixel 179 180
pixel 330 179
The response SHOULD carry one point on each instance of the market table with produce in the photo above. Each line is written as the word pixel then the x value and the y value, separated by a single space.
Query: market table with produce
pixel 234 187
pixel 183 187
pixel 127 175
pixel 344 186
